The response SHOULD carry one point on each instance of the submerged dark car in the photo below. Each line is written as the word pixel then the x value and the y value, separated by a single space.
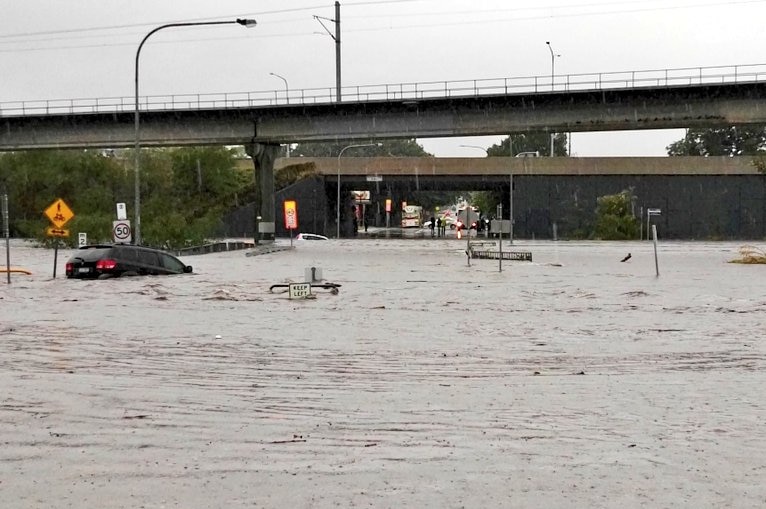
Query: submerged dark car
pixel 103 261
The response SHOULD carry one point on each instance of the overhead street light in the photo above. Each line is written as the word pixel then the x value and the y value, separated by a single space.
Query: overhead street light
pixel 239 21
pixel 287 88
pixel 475 146
pixel 287 99
pixel 553 62
pixel 553 73
pixel 337 205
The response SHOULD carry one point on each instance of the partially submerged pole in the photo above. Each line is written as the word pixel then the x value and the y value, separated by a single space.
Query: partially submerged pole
pixel 656 263
pixel 468 244
pixel 500 235
pixel 7 233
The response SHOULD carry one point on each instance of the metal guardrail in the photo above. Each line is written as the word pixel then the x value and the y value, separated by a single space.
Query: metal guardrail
pixel 525 256
pixel 686 76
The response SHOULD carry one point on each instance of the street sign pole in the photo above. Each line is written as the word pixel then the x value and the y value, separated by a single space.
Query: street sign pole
pixel 59 214
pixel 500 235
pixel 55 256
pixel 7 232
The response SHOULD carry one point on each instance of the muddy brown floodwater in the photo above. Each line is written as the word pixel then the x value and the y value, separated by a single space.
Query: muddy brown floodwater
pixel 575 380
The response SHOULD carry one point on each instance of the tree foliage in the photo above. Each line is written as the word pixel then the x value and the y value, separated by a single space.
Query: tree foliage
pixel 184 192
pixel 725 141
pixel 395 148
pixel 614 217
pixel 539 142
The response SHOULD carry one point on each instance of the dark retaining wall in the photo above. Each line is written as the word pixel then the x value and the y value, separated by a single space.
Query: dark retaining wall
pixel 725 207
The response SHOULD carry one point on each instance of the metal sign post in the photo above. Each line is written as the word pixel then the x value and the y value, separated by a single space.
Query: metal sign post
pixel 656 263
pixel 59 214
pixel 468 244
pixel 500 236
pixel 7 233
pixel 649 214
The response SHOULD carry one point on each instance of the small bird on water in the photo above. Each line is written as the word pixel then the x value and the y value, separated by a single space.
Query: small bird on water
pixel 626 258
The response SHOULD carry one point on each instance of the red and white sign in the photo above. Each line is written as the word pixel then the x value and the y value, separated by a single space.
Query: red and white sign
pixel 291 215
pixel 121 232
pixel 362 196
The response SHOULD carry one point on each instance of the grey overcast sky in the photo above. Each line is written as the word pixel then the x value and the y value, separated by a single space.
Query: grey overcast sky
pixel 51 49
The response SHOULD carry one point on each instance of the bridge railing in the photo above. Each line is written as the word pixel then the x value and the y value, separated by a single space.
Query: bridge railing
pixel 413 91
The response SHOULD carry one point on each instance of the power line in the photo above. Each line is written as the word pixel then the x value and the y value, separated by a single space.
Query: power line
pixel 132 44
pixel 552 15
pixel 156 23
pixel 437 24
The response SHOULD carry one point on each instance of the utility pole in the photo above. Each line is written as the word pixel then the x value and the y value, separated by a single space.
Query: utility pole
pixel 336 38
pixel 510 193
pixel 337 51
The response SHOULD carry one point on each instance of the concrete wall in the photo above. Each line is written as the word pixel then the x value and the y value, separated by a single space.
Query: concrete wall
pixel 315 214
pixel 693 207
pixel 480 166
pixel 700 198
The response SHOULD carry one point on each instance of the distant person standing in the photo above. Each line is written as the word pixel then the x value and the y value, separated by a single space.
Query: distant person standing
pixel 438 227
pixel 432 225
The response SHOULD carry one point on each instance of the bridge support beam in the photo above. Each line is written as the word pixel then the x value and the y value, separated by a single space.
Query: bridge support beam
pixel 263 156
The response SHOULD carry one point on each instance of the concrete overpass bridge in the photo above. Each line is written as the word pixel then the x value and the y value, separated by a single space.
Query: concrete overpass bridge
pixel 701 197
pixel 654 99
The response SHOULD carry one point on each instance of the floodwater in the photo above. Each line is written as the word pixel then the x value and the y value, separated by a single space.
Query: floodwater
pixel 574 380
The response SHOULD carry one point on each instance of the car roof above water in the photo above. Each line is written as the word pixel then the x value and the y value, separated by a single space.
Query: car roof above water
pixel 95 251
pixel 90 253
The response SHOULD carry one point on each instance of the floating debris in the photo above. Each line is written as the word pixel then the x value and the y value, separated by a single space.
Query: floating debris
pixel 751 255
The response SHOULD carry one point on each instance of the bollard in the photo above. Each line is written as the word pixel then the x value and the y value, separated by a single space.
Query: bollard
pixel 312 274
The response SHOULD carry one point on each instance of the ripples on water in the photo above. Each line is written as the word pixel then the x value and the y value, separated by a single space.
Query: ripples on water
pixel 423 383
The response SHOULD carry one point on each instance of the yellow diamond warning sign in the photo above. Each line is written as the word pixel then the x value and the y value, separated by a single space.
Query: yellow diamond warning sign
pixel 59 213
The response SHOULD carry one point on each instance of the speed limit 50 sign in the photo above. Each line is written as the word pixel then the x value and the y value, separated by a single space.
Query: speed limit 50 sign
pixel 121 232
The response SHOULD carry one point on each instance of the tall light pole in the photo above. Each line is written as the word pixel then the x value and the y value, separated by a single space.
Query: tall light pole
pixel 553 73
pixel 553 62
pixel 137 227
pixel 287 98
pixel 287 88
pixel 337 205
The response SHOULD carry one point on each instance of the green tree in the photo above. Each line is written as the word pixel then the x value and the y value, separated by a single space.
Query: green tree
pixel 485 201
pixel 184 192
pixel 724 141
pixel 396 148
pixel 539 142
pixel 614 218
pixel 88 181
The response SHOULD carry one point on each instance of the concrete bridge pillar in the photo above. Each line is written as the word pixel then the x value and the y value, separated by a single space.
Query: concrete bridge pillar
pixel 263 156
